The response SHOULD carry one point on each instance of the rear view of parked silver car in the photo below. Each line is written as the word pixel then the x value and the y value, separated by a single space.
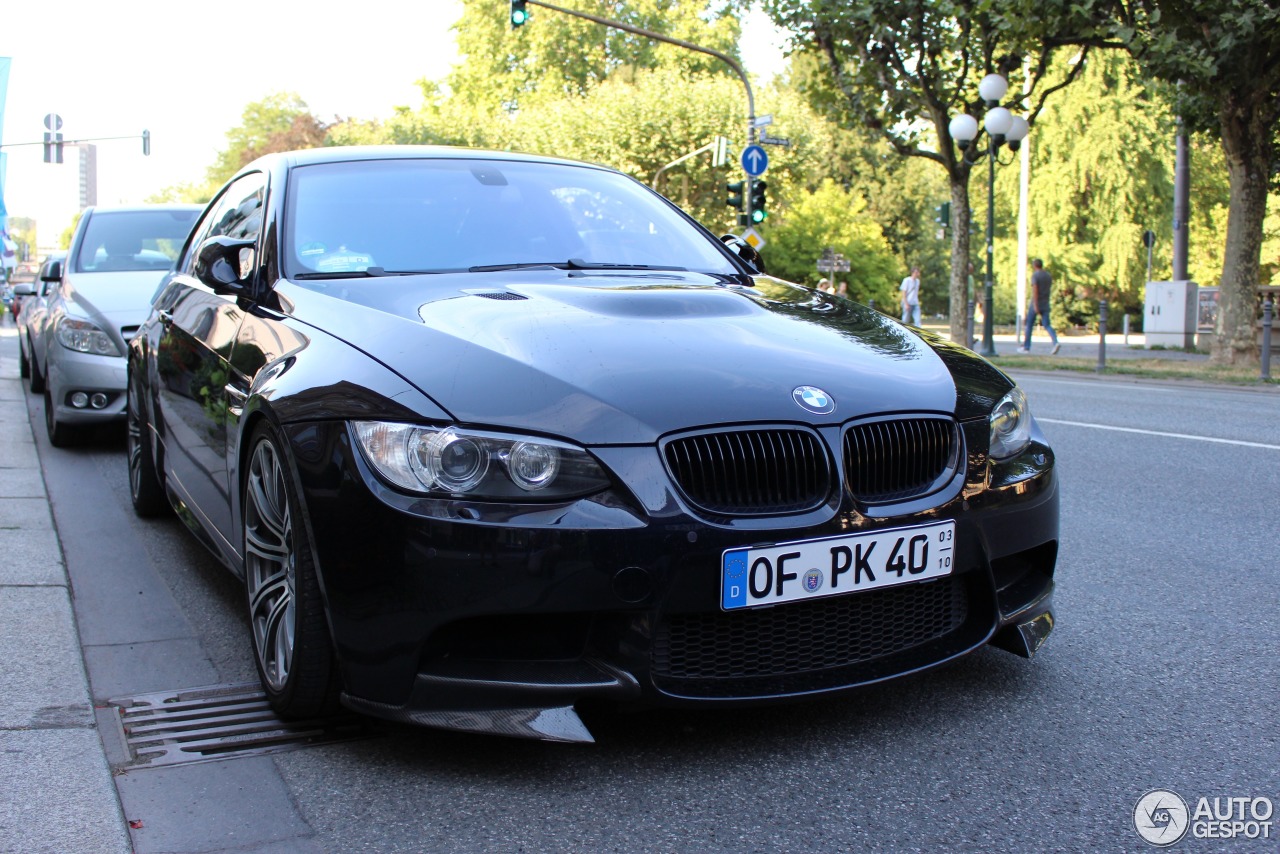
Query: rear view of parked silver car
pixel 117 259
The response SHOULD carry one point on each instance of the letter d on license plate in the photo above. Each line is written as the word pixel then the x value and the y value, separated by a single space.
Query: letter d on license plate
pixel 811 569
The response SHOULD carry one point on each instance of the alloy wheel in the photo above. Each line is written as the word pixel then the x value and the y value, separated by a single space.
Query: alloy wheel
pixel 270 564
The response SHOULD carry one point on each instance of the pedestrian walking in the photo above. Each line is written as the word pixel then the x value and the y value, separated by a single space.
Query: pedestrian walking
pixel 1041 284
pixel 910 290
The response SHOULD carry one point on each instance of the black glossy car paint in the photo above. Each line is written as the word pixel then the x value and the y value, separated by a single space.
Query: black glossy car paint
pixel 457 612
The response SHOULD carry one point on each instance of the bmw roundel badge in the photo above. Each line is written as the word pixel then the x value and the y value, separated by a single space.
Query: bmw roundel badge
pixel 813 399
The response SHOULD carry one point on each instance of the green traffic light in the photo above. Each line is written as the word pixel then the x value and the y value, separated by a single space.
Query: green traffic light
pixel 518 18
pixel 758 215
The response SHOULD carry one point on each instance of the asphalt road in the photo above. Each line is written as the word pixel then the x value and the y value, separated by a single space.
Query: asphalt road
pixel 1162 673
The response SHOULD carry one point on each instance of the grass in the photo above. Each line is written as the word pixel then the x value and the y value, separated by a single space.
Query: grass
pixel 1145 368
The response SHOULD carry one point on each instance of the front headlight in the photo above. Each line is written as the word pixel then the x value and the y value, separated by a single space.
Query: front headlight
pixel 85 337
pixel 473 464
pixel 1010 425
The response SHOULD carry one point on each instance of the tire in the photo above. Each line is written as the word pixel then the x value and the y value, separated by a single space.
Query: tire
pixel 291 642
pixel 146 490
pixel 24 367
pixel 61 434
pixel 36 380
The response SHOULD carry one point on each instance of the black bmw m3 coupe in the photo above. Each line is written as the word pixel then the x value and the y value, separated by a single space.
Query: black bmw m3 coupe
pixel 490 435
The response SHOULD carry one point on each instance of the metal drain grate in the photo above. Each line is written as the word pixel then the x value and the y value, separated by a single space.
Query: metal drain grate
pixel 220 722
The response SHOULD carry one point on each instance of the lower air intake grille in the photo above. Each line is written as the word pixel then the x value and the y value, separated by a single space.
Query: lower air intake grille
pixel 803 637
pixel 751 472
pixel 895 460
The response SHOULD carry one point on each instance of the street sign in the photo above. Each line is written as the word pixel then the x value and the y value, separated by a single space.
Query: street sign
pixel 762 121
pixel 753 237
pixel 754 160
pixel 765 139
pixel 832 262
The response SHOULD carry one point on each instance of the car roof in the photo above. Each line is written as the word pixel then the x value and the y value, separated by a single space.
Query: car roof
pixel 167 206
pixel 349 153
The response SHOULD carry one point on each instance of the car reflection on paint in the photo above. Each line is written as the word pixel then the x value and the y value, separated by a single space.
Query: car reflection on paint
pixel 490 436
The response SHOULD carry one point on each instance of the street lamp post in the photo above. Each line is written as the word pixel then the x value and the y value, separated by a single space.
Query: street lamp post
pixel 1003 127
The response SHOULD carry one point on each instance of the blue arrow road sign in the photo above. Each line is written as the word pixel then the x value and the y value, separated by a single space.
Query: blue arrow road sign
pixel 754 160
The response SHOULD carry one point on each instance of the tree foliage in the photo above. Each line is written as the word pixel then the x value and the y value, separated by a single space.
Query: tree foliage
pixel 906 67
pixel 555 54
pixel 1224 57
pixel 835 218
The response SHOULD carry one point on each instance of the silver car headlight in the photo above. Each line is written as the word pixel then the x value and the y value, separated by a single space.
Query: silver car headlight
pixel 473 464
pixel 1010 425
pixel 85 337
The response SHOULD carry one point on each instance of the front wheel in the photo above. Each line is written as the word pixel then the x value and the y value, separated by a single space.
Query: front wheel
pixel 61 434
pixel 36 379
pixel 290 635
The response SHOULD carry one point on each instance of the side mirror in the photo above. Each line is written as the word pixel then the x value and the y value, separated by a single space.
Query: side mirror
pixel 744 251
pixel 52 273
pixel 24 289
pixel 226 265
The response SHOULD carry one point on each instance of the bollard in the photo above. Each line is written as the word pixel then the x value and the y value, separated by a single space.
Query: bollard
pixel 1102 336
pixel 1268 308
pixel 972 342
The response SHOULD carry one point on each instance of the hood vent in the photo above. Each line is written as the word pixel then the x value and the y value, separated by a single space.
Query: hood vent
pixel 499 295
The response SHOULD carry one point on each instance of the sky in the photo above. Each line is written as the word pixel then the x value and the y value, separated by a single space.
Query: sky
pixel 185 72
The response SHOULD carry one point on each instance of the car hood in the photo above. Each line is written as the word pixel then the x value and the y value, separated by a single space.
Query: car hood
pixel 627 358
pixel 113 299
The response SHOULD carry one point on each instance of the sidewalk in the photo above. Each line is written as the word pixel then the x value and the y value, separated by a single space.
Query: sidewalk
pixel 57 793
pixel 1075 346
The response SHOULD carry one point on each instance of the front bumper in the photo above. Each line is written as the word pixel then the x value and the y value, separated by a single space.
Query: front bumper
pixel 70 371
pixel 500 619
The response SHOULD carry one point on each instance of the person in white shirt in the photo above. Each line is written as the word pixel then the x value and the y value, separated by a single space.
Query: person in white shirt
pixel 910 289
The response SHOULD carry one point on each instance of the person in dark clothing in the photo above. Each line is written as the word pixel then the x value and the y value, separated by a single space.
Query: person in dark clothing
pixel 1041 283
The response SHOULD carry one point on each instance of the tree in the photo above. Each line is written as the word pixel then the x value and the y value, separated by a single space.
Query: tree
pixel 1224 57
pixel 557 54
pixel 1088 207
pixel 834 217
pixel 906 68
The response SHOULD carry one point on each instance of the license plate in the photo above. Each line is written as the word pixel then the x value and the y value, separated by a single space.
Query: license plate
pixel 812 569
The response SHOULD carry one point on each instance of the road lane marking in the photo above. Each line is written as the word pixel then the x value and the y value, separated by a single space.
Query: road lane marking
pixel 1160 433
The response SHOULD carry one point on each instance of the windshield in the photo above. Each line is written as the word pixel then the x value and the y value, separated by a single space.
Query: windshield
pixel 389 216
pixel 133 240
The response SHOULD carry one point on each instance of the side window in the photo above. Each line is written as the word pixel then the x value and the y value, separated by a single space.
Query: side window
pixel 237 213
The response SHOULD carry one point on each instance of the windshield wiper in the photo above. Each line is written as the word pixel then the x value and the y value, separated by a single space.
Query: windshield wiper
pixel 367 273
pixel 571 264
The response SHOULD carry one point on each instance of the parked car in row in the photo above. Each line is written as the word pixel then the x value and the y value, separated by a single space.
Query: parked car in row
pixel 30 301
pixel 94 300
pixel 488 436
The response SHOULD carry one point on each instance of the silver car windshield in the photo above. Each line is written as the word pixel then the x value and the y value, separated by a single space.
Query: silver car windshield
pixel 133 240
pixel 384 217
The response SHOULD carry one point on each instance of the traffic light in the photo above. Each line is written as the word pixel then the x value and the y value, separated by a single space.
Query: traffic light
pixel 519 14
pixel 146 143
pixel 944 215
pixel 758 212
pixel 734 197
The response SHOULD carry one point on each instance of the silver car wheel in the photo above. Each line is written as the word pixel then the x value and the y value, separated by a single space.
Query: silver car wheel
pixel 270 564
